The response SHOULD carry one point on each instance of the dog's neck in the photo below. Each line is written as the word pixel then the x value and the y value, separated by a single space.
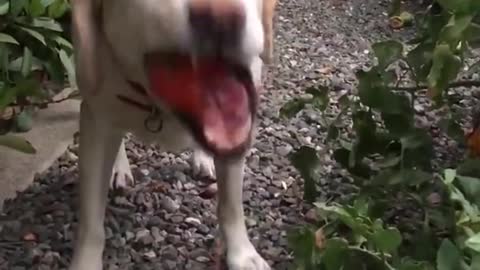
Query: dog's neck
pixel 154 121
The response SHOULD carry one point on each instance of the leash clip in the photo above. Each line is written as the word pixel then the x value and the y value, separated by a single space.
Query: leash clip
pixel 154 121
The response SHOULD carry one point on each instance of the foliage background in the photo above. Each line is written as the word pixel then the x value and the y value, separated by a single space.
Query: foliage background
pixel 391 156
pixel 35 63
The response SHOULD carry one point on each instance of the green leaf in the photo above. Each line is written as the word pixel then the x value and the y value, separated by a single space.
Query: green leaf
pixel 471 188
pixel 455 5
pixel 408 177
pixel 320 97
pixel 16 64
pixel 448 256
pixel 4 7
pixel 5 52
pixel 374 92
pixel 449 176
pixel 5 38
pixel 332 133
pixel 306 161
pixel 415 139
pixel 408 264
pixel 472 35
pixel 398 124
pixel 387 240
pixel 35 34
pixel 371 88
pixel 470 167
pixel 58 8
pixel 334 254
pixel 445 68
pixel 17 6
pixel 17 143
pixel 7 96
pixel 47 3
pixel 23 121
pixel 475 262
pixel 25 87
pixel 26 62
pixel 387 52
pixel 63 42
pixel 292 107
pixel 359 258
pixel 452 33
pixel 69 67
pixel 474 242
pixel 420 60
pixel 302 241
pixel 36 8
pixel 389 161
pixel 360 169
pixel 347 215
pixel 47 24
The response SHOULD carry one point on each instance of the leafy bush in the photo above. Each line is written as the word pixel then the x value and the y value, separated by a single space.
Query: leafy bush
pixel 35 62
pixel 391 158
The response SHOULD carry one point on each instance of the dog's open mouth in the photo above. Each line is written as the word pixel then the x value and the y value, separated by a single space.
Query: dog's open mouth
pixel 214 97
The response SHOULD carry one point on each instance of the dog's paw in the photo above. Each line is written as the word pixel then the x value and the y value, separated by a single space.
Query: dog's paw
pixel 121 178
pixel 121 175
pixel 87 257
pixel 246 258
pixel 86 266
pixel 267 57
pixel 203 164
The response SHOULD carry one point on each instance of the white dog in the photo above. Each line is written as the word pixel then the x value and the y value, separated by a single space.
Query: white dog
pixel 123 49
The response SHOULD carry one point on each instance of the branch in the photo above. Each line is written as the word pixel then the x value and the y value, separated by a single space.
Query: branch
pixel 46 103
pixel 452 85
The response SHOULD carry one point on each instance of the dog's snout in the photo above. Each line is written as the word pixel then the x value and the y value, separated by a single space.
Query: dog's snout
pixel 217 21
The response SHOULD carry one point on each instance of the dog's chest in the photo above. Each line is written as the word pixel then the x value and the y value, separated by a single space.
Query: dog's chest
pixel 159 127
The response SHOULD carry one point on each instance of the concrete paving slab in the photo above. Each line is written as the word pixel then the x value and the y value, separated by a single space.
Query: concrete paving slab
pixel 51 134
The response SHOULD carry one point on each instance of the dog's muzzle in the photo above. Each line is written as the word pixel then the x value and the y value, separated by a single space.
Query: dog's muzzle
pixel 215 25
pixel 212 94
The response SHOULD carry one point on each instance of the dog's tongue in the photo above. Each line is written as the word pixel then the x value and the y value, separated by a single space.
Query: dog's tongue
pixel 210 95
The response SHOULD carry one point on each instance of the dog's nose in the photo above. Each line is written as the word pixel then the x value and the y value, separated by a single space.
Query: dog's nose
pixel 220 22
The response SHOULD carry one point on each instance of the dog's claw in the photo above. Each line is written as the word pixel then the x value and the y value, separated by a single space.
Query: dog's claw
pixel 246 258
pixel 203 164
pixel 122 174
pixel 121 179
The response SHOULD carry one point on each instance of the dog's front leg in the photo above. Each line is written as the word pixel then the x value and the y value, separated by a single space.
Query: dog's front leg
pixel 241 254
pixel 99 144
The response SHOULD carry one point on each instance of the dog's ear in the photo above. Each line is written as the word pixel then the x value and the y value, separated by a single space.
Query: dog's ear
pixel 86 35
pixel 268 12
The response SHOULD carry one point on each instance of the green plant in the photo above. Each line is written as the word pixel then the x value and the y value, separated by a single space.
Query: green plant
pixel 390 157
pixel 35 54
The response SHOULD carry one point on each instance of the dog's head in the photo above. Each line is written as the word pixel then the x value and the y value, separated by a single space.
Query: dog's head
pixel 197 56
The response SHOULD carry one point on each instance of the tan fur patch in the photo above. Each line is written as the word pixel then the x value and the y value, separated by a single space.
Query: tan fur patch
pixel 86 31
pixel 268 13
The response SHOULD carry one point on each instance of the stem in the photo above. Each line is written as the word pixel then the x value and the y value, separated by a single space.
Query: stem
pixel 451 85
pixel 42 104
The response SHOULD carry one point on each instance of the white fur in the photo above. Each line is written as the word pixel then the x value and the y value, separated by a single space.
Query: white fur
pixel 122 174
pixel 134 27
pixel 203 164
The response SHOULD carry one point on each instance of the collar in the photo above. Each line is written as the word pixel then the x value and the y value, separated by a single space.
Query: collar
pixel 154 121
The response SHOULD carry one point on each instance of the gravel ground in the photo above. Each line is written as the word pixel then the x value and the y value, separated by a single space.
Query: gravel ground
pixel 167 220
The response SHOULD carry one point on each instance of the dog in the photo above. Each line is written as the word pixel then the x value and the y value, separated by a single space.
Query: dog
pixel 120 48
